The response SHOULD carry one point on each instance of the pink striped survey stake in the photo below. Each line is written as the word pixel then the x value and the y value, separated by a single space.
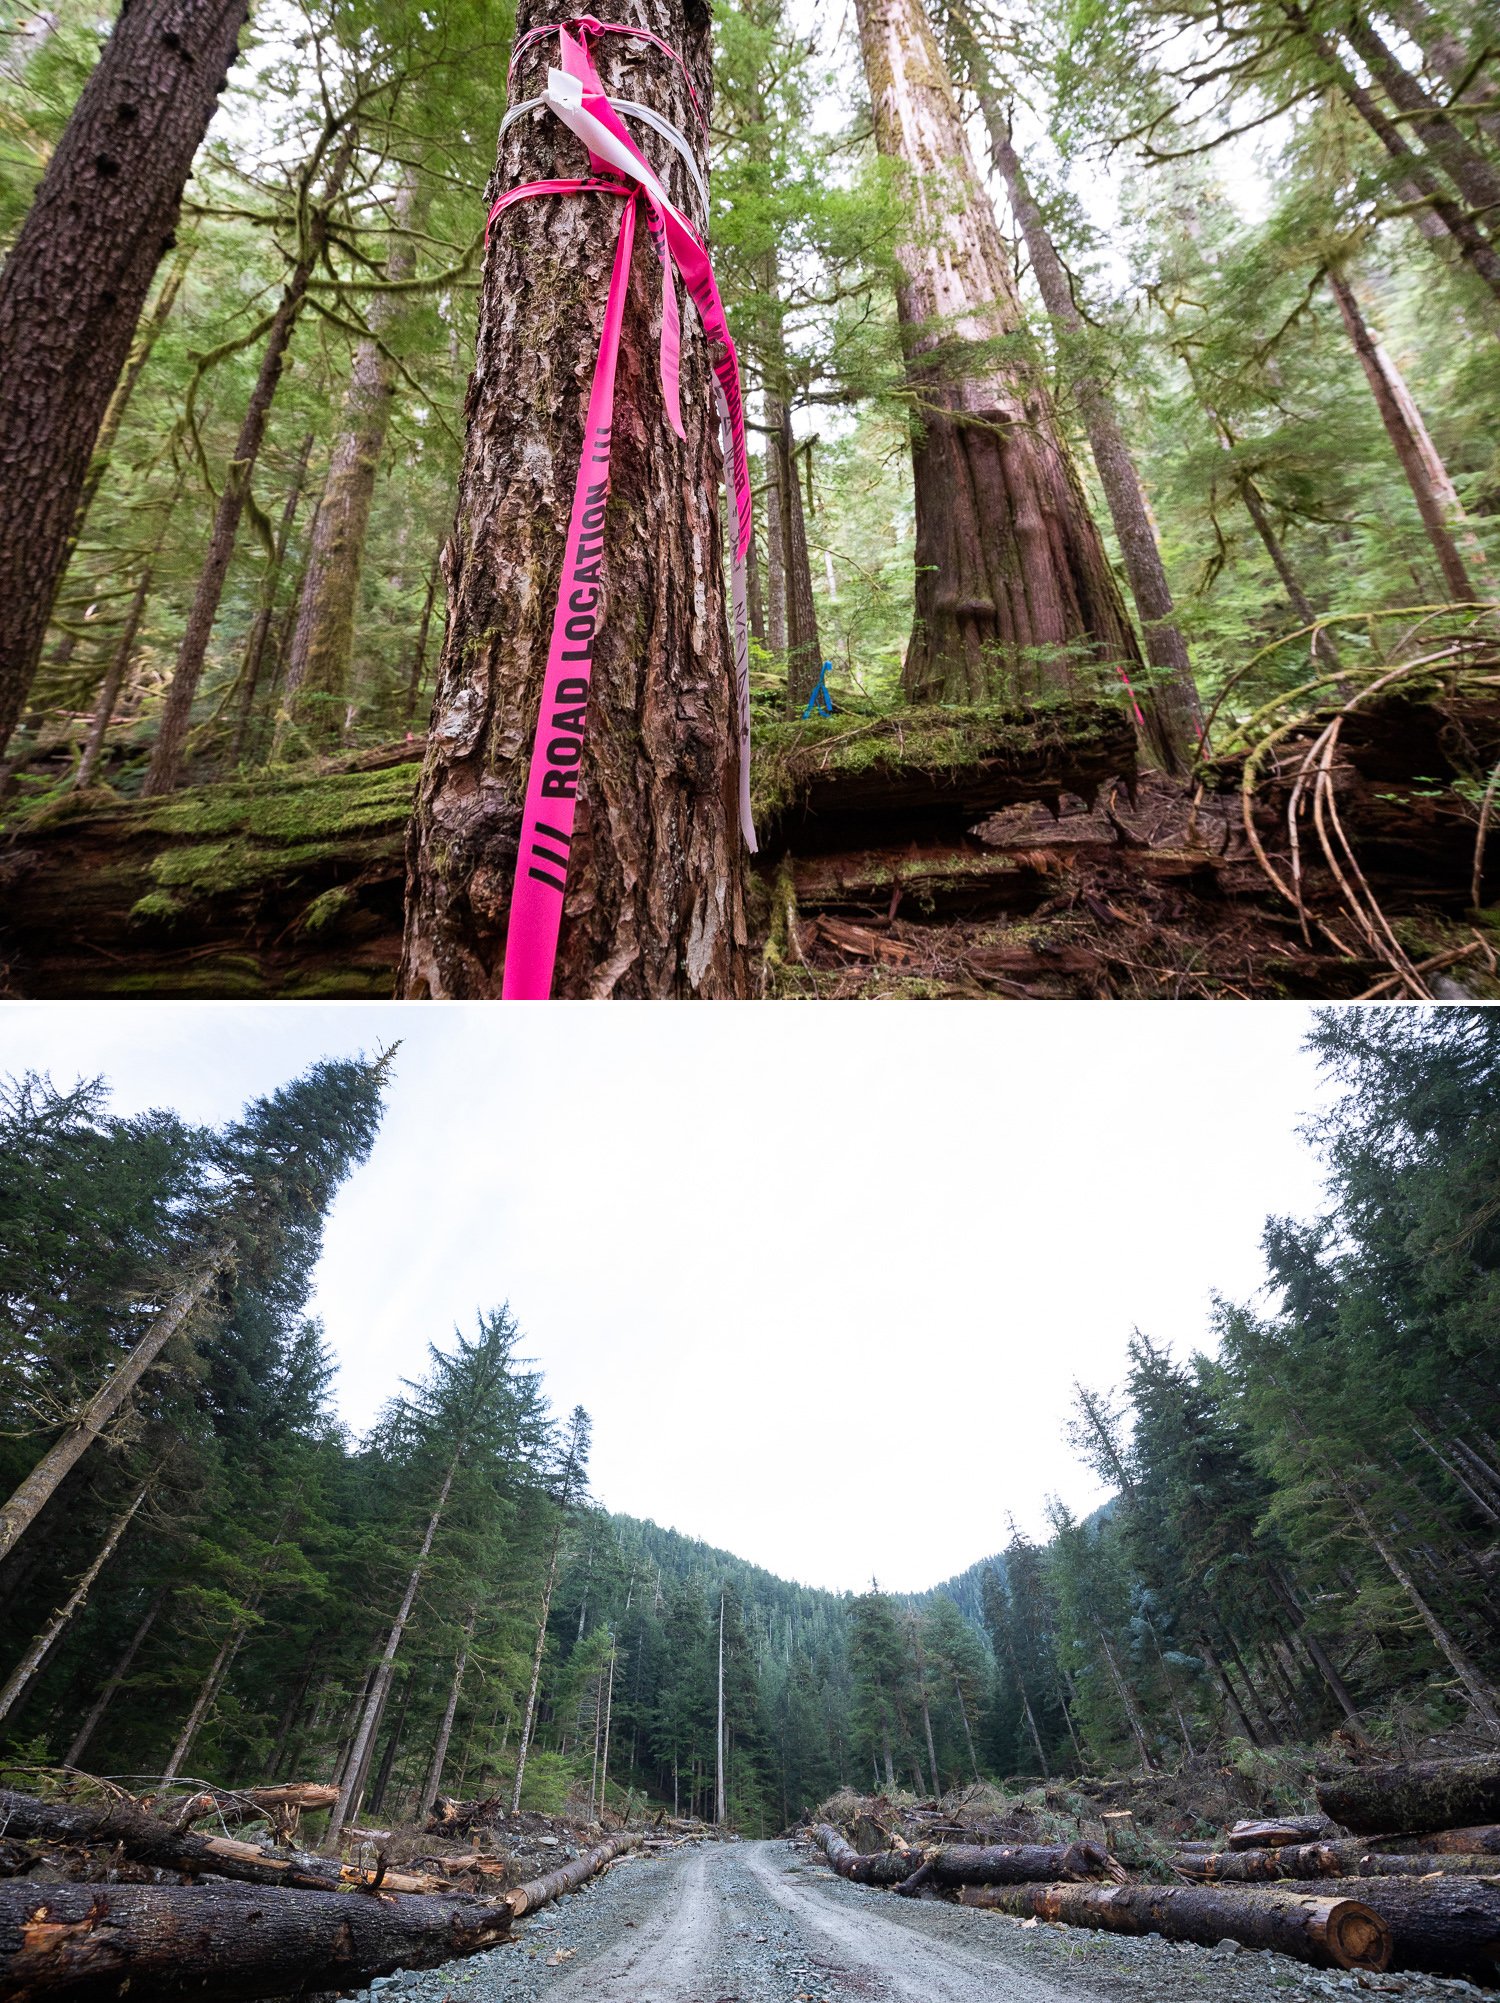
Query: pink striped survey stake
pixel 617 167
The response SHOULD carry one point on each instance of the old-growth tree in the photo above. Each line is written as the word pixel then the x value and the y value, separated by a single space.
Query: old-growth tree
pixel 1014 592
pixel 654 904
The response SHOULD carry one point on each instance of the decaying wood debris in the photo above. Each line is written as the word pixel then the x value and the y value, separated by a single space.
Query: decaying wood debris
pixel 1327 1930
pixel 248 1922
pixel 1449 1925
pixel 1270 1835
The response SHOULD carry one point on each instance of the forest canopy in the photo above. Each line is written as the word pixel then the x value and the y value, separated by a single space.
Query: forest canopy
pixel 206 1575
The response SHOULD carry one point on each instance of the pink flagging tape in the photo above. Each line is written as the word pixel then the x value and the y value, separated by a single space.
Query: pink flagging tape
pixel 619 168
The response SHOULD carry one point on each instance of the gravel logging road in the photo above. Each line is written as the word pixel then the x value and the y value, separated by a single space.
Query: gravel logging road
pixel 767 1923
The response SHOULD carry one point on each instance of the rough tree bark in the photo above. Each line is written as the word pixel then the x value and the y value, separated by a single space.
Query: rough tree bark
pixel 1014 593
pixel 1446 1924
pixel 41 1647
pixel 1432 489
pixel 317 675
pixel 1173 715
pixel 1348 1858
pixel 655 897
pixel 74 285
pixel 31 1494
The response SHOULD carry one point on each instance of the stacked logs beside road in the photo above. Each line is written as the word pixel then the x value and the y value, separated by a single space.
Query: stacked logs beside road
pixel 208 1914
pixel 1416 1886
pixel 1425 1857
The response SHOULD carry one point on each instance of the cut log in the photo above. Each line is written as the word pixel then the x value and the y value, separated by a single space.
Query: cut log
pixel 1313 1926
pixel 1349 1857
pixel 1269 1835
pixel 1417 1796
pixel 1481 1841
pixel 86 1942
pixel 95 1825
pixel 541 1891
pixel 967 1864
pixel 1447 1925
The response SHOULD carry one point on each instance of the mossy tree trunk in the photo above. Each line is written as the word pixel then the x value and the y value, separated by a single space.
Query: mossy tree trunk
pixel 655 902
pixel 75 282
pixel 1014 593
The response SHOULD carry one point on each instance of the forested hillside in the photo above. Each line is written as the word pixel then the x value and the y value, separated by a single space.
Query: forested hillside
pixel 205 1575
pixel 1193 468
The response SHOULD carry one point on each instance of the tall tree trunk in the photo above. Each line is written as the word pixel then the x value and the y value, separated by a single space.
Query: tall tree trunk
pixel 116 1677
pixel 937 1786
pixel 804 655
pixel 775 542
pixel 1443 52
pixel 655 896
pixel 1473 246
pixel 114 681
pixel 317 676
pixel 1173 716
pixel 419 651
pixel 41 1647
pixel 1231 1695
pixel 963 1712
pixel 1127 1702
pixel 445 1730
pixel 1014 593
pixel 1474 177
pixel 393 1745
pixel 380 1683
pixel 265 610
pixel 1426 475
pixel 74 284
pixel 609 1711
pixel 1481 1693
pixel 755 595
pixel 208 1690
pixel 32 1493
pixel 164 773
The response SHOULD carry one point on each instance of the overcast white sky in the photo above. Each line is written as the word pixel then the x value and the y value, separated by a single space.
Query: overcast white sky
pixel 822 1274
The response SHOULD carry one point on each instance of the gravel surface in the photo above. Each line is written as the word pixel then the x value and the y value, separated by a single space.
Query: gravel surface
pixel 767 1923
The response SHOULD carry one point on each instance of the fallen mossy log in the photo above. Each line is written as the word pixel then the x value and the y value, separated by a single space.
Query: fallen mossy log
pixel 1316 1926
pixel 81 1942
pixel 568 1877
pixel 1347 1857
pixel 1415 1796
pixel 966 1863
pixel 149 1840
pixel 1447 1925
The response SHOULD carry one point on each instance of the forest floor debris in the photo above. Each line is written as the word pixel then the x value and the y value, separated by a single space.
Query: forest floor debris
pixel 764 1923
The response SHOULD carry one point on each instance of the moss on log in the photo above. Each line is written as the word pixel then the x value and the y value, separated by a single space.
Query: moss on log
pixel 1348 1857
pixel 1415 1796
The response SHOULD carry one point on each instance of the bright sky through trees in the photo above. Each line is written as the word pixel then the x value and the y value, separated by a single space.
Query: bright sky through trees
pixel 911 1233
